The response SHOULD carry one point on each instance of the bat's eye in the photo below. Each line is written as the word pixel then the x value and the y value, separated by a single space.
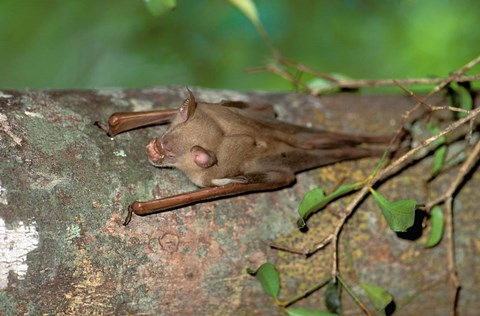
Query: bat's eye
pixel 164 142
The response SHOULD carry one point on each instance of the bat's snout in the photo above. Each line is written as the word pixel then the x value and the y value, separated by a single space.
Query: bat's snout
pixel 157 154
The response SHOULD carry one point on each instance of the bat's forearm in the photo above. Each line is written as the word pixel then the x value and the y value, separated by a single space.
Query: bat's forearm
pixel 262 182
pixel 125 121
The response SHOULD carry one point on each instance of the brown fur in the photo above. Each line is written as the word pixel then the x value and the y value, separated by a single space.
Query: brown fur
pixel 234 147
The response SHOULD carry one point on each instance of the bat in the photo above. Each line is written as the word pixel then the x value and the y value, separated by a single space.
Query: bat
pixel 234 147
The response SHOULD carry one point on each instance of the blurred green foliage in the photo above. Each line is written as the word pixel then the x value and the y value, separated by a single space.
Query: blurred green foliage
pixel 118 43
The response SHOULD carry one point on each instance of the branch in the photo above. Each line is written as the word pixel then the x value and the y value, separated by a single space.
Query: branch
pixel 345 84
pixel 304 252
pixel 402 161
pixel 279 71
pixel 424 102
pixel 447 198
pixel 464 169
pixel 337 83
pixel 360 195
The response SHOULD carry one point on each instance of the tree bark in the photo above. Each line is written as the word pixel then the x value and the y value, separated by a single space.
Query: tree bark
pixel 65 185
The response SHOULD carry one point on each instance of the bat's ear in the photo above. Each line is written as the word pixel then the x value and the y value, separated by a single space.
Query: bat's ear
pixel 188 107
pixel 204 158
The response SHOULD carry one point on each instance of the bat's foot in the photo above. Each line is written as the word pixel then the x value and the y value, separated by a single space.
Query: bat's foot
pixel 129 216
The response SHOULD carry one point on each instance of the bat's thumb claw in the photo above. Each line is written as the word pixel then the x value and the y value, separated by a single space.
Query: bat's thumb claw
pixel 129 216
pixel 103 127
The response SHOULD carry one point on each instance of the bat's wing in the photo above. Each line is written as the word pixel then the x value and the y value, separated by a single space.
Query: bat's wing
pixel 315 139
pixel 299 160
pixel 310 138
pixel 246 183
pixel 251 109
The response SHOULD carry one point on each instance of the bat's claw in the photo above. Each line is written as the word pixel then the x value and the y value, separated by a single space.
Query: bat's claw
pixel 129 216
pixel 103 127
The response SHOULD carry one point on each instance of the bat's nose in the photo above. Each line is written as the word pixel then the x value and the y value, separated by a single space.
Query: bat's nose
pixel 157 145
pixel 155 151
pixel 158 154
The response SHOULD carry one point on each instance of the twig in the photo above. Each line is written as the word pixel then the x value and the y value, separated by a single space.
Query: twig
pixel 395 166
pixel 305 293
pixel 343 84
pixel 452 269
pixel 275 69
pixel 454 76
pixel 304 252
pixel 352 84
pixel 337 83
pixel 424 102
pixel 447 198
pixel 400 162
pixel 392 168
pixel 441 82
pixel 464 169
pixel 304 68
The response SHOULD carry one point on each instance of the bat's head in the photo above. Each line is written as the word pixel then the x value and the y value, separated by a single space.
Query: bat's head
pixel 185 143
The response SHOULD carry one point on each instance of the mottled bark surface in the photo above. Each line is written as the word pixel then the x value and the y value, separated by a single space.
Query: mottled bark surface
pixel 64 186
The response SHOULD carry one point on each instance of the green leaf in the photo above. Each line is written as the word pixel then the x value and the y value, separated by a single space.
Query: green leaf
pixel 159 7
pixel 300 311
pixel 462 98
pixel 312 201
pixel 269 278
pixel 400 215
pixel 379 297
pixel 437 223
pixel 441 151
pixel 439 159
pixel 324 84
pixel 316 199
pixel 249 9
pixel 332 297
pixel 319 83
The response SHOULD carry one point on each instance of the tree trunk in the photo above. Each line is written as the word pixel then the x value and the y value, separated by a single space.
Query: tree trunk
pixel 65 185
